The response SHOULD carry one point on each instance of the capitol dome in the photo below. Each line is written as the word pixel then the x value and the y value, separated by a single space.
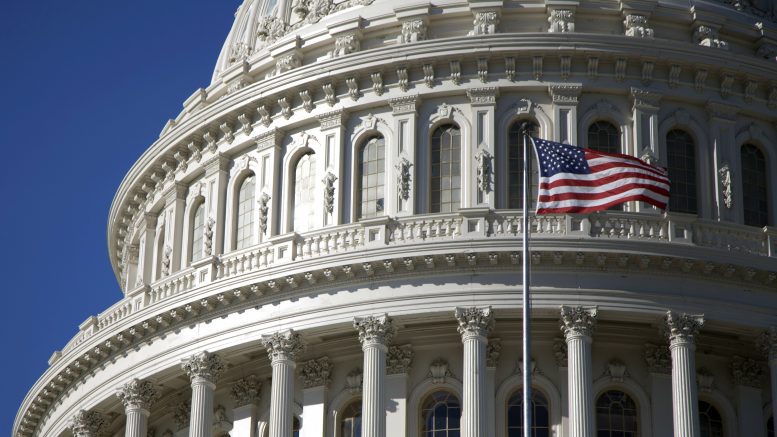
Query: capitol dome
pixel 326 241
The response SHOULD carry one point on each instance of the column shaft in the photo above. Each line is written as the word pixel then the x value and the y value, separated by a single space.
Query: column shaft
pixel 581 420
pixel 474 404
pixel 282 397
pixel 201 419
pixel 773 373
pixel 681 330
pixel 374 390
pixel 137 422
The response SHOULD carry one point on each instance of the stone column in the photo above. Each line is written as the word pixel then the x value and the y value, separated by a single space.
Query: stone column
pixel 282 347
pixel 474 326
pixel 659 365
pixel 86 423
pixel 246 394
pixel 682 330
pixel 315 377
pixel 138 397
pixel 204 370
pixel 768 344
pixel 398 361
pixel 578 323
pixel 374 333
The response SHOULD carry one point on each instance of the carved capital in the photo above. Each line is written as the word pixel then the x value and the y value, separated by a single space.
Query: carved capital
pixel 181 414
pixel 560 352
pixel 138 394
pixel 493 352
pixel 746 371
pixel 86 423
pixel 682 328
pixel 768 343
pixel 284 345
pixel 315 373
pixel 246 391
pixel 204 365
pixel 413 30
pixel 374 330
pixel 474 321
pixel 561 20
pixel 399 359
pixel 578 321
pixel 658 358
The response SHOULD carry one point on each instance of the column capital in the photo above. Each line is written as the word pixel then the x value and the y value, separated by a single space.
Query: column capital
pixel 283 345
pixel 399 359
pixel 86 423
pixel 682 327
pixel 767 342
pixel 374 329
pixel 246 391
pixel 315 373
pixel 474 321
pixel 138 394
pixel 204 365
pixel 578 321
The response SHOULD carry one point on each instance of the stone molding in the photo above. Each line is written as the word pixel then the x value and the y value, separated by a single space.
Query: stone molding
pixel 138 394
pixel 204 365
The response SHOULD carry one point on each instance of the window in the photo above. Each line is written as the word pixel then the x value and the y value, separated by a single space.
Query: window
pixel 616 415
pixel 372 166
pixel 305 193
pixel 440 415
pixel 710 420
pixel 540 426
pixel 755 200
pixel 515 166
pixel 770 427
pixel 352 420
pixel 604 137
pixel 245 213
pixel 198 228
pixel 681 159
pixel 446 169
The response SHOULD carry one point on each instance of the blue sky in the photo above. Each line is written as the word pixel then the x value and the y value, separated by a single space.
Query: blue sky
pixel 86 86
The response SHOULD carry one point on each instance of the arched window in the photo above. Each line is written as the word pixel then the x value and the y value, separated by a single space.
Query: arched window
pixel 198 230
pixel 372 166
pixel 755 199
pixel 351 426
pixel 710 420
pixel 681 160
pixel 515 165
pixel 244 229
pixel 305 193
pixel 604 137
pixel 540 425
pixel 770 427
pixel 440 415
pixel 616 415
pixel 446 169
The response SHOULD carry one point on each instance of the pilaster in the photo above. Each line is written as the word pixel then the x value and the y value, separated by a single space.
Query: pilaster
pixel 216 178
pixel 375 333
pixel 578 324
pixel 483 143
pixel 401 160
pixel 398 362
pixel 565 99
pixel 332 131
pixel 315 377
pixel 175 204
pixel 681 329
pixel 722 119
pixel 146 250
pixel 268 193
pixel 659 365
pixel 747 374
pixel 246 395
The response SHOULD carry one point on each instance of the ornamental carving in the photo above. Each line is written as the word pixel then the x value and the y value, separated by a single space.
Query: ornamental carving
pixel 708 37
pixel 181 415
pixel 616 370
pixel 269 29
pixel 239 52
pixel 284 345
pixel 263 212
pixel 412 31
pixel 374 330
pixel 208 233
pixel 221 422
pixel 682 327
pixel 532 367
pixel 560 352
pixel 86 423
pixel 637 26
pixel 399 359
pixel 204 365
pixel 758 8
pixel 287 62
pixel 767 51
pixel 138 394
pixel 726 191
pixel 315 373
pixel 485 23
pixel 658 359
pixel 403 178
pixel 483 96
pixel 484 170
pixel 354 381
pixel 565 93
pixel 767 343
pixel 404 105
pixel 578 321
pixel 493 352
pixel 474 321
pixel 705 380
pixel 329 192
pixel 246 391
pixel 166 260
pixel 438 371
pixel 346 44
pixel 746 371
pixel 562 20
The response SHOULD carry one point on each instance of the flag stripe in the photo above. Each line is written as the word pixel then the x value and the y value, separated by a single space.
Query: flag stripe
pixel 581 209
pixel 596 195
pixel 574 180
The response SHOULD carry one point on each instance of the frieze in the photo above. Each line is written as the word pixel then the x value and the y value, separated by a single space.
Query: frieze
pixel 404 105
pixel 483 96
pixel 331 120
pixel 565 93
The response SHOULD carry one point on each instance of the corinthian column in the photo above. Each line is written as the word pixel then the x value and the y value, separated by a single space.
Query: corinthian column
pixel 137 397
pixel 474 326
pixel 282 347
pixel 768 344
pixel 578 323
pixel 682 330
pixel 374 333
pixel 86 423
pixel 204 369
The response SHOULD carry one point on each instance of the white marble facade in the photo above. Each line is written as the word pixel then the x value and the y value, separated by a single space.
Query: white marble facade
pixel 326 241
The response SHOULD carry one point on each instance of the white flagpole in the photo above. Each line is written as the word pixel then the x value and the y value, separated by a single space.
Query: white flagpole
pixel 527 406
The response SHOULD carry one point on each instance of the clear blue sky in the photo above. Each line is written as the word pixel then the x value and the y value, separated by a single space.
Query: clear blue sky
pixel 86 86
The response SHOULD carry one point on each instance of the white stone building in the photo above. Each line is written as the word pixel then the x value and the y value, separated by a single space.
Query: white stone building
pixel 306 246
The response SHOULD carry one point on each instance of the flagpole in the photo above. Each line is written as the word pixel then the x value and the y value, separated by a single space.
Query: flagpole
pixel 527 406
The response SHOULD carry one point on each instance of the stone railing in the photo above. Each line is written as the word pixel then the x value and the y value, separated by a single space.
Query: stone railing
pixel 170 286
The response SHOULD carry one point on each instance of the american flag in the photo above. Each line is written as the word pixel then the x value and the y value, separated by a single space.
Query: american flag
pixel 577 180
